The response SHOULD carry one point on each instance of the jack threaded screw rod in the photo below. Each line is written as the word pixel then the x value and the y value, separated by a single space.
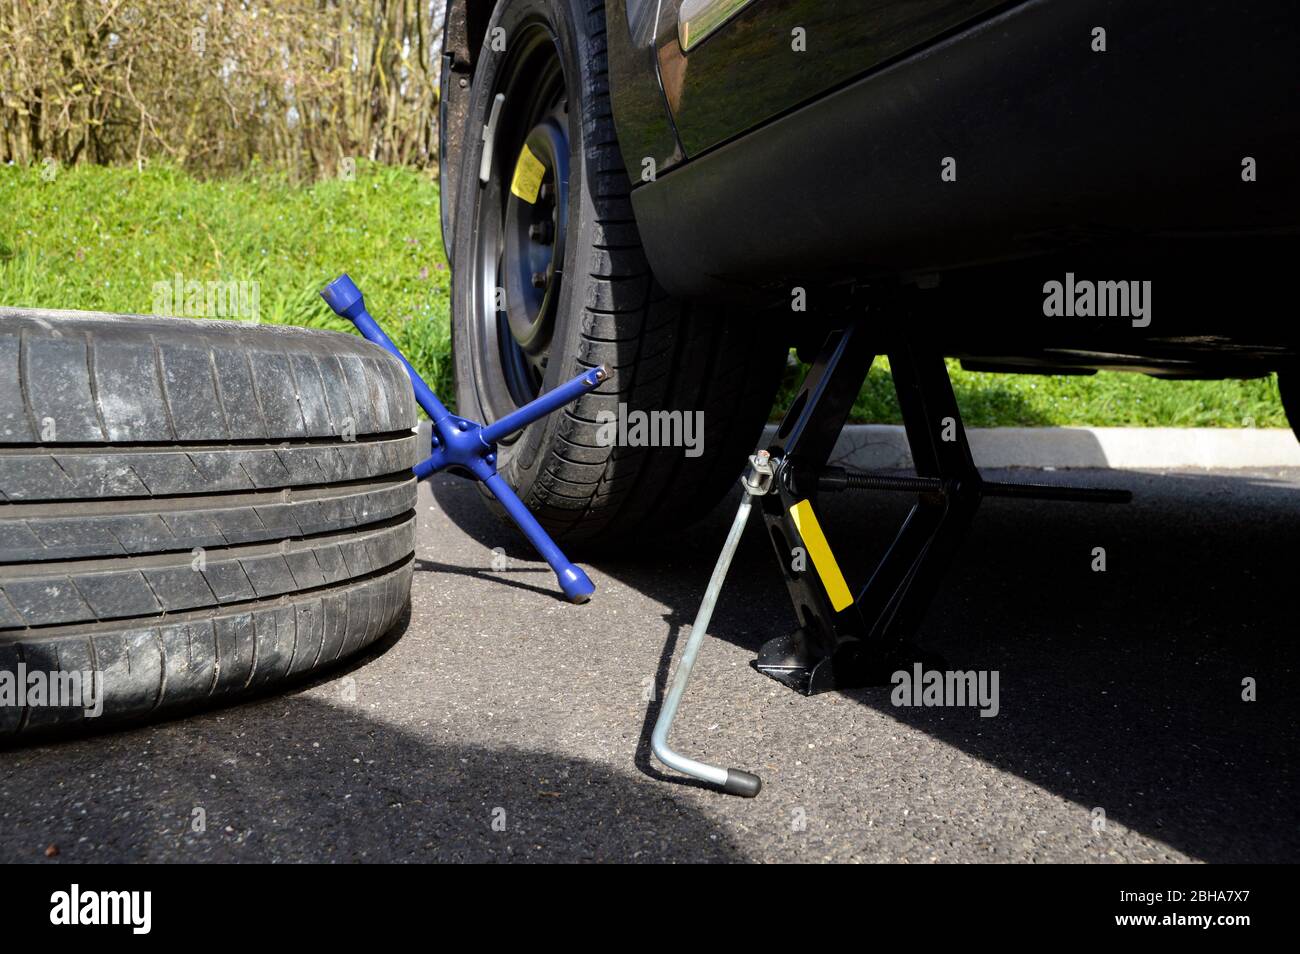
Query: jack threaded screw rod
pixel 837 478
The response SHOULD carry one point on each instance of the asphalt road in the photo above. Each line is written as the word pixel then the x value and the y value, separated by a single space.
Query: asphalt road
pixel 498 702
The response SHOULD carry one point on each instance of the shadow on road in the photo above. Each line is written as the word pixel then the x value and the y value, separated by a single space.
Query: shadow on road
pixel 298 779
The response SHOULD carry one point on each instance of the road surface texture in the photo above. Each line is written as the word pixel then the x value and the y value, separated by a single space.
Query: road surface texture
pixel 504 724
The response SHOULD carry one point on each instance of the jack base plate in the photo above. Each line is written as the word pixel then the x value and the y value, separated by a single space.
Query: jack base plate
pixel 790 661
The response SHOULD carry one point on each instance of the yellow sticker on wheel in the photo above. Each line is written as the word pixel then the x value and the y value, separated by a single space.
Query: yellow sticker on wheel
pixel 528 176
pixel 827 568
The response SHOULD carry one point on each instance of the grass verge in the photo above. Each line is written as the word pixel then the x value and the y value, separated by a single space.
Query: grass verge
pixel 101 239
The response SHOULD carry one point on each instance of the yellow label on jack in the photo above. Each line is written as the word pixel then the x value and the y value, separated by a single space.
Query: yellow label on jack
pixel 528 176
pixel 828 569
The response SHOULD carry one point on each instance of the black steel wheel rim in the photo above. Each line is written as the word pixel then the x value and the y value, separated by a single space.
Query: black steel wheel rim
pixel 521 220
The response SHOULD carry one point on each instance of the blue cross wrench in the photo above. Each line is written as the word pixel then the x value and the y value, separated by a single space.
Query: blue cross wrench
pixel 458 442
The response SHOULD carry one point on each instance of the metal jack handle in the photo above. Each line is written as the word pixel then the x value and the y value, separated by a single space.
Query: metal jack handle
pixel 756 482
pixel 459 442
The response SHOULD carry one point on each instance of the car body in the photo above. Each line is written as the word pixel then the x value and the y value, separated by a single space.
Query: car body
pixel 800 144
pixel 1037 186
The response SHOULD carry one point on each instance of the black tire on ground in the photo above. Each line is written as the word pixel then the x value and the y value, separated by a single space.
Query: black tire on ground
pixel 192 510
pixel 606 308
pixel 1288 383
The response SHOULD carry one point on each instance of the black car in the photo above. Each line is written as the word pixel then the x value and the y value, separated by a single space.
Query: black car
pixel 684 190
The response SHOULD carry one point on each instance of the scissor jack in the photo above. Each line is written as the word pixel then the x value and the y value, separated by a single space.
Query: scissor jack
pixel 845 639
pixel 470 449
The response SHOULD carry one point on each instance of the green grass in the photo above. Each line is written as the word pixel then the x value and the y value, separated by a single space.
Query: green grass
pixel 1106 399
pixel 100 238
